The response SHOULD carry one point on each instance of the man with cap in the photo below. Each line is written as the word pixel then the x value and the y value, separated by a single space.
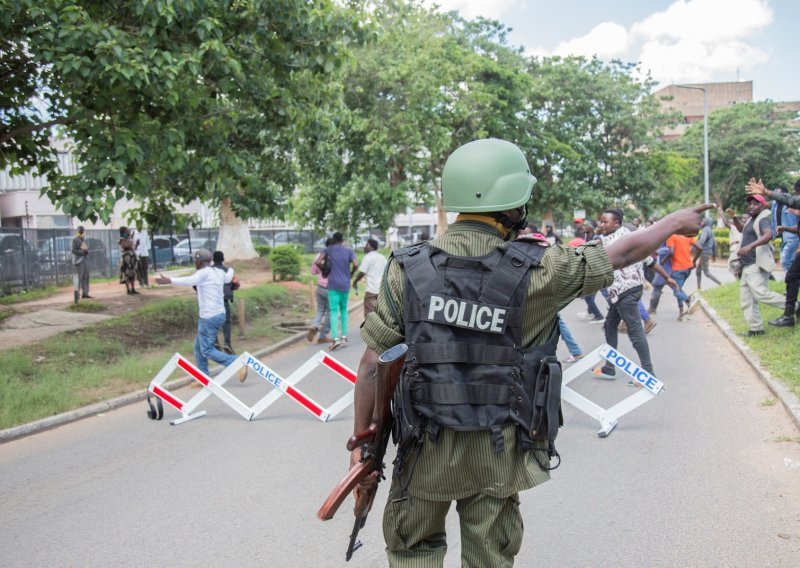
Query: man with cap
pixel 790 311
pixel 209 283
pixel 755 254
pixel 80 258
pixel 479 313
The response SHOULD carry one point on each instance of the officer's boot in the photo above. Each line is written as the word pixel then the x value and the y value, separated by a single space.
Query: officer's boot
pixel 787 319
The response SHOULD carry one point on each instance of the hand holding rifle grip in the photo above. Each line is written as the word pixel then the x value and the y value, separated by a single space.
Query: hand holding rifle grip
pixel 376 437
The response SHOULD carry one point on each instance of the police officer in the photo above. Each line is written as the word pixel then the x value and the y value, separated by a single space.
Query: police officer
pixel 479 312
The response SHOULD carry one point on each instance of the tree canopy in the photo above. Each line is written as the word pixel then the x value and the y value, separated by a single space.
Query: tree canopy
pixel 745 140
pixel 336 113
pixel 171 101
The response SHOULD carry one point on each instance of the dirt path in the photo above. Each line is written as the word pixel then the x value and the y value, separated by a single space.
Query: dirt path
pixel 40 319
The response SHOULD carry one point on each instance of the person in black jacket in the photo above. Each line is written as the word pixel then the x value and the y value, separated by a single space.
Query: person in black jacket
pixel 227 293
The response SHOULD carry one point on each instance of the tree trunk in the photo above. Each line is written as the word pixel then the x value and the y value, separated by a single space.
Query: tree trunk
pixel 234 235
pixel 441 215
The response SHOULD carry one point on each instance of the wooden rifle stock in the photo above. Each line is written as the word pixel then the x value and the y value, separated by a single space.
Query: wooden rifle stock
pixel 374 439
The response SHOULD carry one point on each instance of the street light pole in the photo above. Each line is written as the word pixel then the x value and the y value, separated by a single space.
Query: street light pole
pixel 705 141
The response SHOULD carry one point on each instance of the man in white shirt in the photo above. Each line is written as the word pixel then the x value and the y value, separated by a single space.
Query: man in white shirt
pixel 372 266
pixel 143 253
pixel 209 283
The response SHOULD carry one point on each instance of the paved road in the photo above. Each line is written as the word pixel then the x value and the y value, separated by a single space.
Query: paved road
pixel 707 474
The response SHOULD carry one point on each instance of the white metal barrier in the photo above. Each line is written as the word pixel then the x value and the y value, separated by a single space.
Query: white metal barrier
pixel 281 386
pixel 608 418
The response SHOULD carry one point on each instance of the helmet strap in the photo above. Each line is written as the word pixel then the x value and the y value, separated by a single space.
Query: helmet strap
pixel 487 218
pixel 512 227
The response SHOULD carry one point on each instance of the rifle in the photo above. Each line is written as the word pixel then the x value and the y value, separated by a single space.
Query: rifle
pixel 373 442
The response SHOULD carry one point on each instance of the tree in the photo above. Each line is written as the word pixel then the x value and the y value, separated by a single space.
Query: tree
pixel 428 83
pixel 745 140
pixel 592 131
pixel 175 101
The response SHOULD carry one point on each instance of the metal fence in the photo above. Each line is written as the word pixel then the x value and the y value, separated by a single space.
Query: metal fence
pixel 35 258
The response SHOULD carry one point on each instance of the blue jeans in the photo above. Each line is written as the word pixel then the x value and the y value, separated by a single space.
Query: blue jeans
pixel 591 305
pixel 207 330
pixel 788 250
pixel 566 335
pixel 680 277
pixel 322 321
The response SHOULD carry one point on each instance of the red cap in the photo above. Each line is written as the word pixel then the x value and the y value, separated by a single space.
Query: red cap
pixel 757 197
pixel 579 220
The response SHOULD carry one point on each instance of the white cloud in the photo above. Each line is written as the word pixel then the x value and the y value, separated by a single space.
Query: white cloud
pixel 606 40
pixel 710 21
pixel 474 8
pixel 694 40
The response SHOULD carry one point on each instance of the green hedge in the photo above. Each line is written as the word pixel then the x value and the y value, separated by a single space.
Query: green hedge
pixel 286 262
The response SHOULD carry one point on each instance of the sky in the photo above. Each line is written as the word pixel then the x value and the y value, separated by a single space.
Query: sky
pixel 678 41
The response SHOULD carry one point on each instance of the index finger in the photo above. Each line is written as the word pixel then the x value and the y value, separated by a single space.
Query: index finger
pixel 704 207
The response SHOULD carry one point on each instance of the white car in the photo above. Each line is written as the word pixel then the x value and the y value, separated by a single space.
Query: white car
pixel 187 247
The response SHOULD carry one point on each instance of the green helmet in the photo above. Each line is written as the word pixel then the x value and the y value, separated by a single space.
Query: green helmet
pixel 486 175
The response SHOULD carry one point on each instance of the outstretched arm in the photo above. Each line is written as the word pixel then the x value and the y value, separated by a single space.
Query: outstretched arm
pixel 754 187
pixel 636 246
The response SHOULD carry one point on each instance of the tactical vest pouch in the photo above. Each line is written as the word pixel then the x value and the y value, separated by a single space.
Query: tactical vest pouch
pixel 547 416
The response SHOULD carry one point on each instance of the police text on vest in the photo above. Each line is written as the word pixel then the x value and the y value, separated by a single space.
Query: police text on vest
pixel 465 313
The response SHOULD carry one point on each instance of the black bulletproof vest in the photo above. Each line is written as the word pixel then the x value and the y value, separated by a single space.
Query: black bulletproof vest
pixel 467 368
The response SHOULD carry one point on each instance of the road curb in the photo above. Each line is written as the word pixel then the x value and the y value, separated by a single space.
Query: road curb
pixel 50 422
pixel 790 401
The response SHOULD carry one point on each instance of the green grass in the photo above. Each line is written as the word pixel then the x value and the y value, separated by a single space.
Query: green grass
pixel 29 295
pixel 777 348
pixel 122 354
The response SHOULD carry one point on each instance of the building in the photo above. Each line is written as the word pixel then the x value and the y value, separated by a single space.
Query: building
pixel 688 100
pixel 23 207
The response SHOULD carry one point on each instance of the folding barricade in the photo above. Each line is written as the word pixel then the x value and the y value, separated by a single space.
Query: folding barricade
pixel 281 386
pixel 608 418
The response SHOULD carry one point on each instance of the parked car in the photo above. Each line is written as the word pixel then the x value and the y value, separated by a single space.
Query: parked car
pixel 18 262
pixel 161 250
pixel 55 256
pixel 361 241
pixel 186 248
pixel 292 238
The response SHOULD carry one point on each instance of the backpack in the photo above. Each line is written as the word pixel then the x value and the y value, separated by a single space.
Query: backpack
pixel 325 266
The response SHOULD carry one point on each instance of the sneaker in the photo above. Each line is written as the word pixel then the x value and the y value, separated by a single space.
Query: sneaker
pixel 597 320
pixel 600 374
pixel 242 373
pixel 229 350
pixel 694 303
pixel 682 313
pixel 649 325
pixel 585 316
pixel 635 384
pixel 572 358
pixel 335 345
pixel 312 331
pixel 752 333
pixel 623 327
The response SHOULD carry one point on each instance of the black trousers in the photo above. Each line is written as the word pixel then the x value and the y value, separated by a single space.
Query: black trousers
pixel 793 282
